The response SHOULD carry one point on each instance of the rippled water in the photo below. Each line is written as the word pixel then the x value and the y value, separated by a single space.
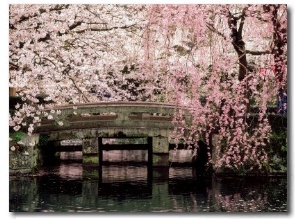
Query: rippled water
pixel 115 188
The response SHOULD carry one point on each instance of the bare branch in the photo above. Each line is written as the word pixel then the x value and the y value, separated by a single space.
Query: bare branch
pixel 256 53
pixel 105 29
pixel 57 7
pixel 76 24
pixel 13 66
pixel 213 29
pixel 79 90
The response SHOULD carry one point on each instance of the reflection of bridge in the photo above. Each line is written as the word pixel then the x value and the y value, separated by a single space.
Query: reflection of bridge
pixel 95 121
pixel 134 188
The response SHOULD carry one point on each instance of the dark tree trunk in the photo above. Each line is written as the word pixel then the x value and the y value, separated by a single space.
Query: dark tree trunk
pixel 239 47
pixel 238 43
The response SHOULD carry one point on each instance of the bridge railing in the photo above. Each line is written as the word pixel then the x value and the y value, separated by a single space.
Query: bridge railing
pixel 109 114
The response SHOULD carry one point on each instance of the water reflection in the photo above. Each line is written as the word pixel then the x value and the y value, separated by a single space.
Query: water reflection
pixel 64 188
pixel 113 174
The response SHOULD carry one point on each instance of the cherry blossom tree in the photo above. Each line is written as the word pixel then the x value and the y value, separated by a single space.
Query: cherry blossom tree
pixel 203 58
pixel 68 54
pixel 206 50
pixel 64 50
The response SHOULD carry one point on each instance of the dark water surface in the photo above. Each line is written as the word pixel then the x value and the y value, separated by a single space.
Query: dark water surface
pixel 65 188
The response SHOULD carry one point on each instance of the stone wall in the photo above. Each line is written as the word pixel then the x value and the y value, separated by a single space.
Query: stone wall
pixel 25 159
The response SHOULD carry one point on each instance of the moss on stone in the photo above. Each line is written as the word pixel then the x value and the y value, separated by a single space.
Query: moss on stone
pixel 90 160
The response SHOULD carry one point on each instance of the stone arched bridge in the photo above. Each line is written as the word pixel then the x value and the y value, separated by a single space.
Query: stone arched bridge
pixel 93 121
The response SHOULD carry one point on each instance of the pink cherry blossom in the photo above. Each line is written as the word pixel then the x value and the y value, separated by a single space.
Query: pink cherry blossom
pixel 205 59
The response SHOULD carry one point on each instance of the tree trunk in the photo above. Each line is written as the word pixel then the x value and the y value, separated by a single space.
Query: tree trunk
pixel 239 47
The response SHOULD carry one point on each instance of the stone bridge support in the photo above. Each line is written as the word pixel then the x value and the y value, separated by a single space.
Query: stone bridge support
pixel 160 151
pixel 90 152
pixel 25 157
pixel 90 158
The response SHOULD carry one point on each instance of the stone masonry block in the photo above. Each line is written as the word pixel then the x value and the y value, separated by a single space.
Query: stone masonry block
pixel 160 160
pixel 32 139
pixel 90 146
pixel 160 145
pixel 90 160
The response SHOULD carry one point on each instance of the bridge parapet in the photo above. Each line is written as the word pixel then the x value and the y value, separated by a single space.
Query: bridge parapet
pixel 110 114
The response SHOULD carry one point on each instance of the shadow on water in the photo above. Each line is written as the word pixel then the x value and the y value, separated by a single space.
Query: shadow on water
pixel 64 188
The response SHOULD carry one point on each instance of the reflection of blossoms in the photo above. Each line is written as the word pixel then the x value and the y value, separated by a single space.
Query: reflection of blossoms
pixel 236 203
pixel 60 123
pixel 50 117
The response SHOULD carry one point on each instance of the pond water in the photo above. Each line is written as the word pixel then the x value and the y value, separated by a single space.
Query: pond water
pixel 126 188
